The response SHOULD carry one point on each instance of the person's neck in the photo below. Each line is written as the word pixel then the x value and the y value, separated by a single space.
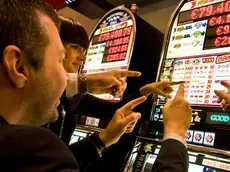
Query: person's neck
pixel 12 108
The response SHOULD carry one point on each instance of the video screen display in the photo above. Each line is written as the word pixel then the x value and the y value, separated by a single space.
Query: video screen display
pixel 79 135
pixel 198 50
pixel 92 121
pixel 111 45
pixel 150 159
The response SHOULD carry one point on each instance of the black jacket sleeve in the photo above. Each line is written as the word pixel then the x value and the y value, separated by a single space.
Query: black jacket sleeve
pixel 86 154
pixel 99 108
pixel 173 157
pixel 38 149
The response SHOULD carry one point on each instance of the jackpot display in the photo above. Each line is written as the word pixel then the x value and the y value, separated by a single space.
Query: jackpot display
pixel 197 51
pixel 111 45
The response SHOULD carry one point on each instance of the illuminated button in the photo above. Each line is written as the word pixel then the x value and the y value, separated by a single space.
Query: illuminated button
pixel 156 116
pixel 158 110
pixel 220 118
pixel 192 119
pixel 197 119
pixel 161 117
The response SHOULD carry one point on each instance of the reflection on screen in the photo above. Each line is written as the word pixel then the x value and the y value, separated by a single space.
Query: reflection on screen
pixel 129 166
pixel 77 136
pixel 211 170
pixel 195 168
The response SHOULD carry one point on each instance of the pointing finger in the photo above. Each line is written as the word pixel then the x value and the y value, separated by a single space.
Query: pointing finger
pixel 180 92
pixel 225 84
pixel 126 73
pixel 176 82
pixel 131 118
pixel 132 104
pixel 221 95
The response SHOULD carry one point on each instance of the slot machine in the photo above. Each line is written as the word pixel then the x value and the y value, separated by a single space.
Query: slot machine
pixel 196 50
pixel 122 41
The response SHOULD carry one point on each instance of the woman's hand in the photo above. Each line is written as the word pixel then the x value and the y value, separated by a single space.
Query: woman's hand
pixel 163 88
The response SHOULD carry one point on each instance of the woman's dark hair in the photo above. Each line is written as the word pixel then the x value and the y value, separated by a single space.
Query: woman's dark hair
pixel 20 26
pixel 73 32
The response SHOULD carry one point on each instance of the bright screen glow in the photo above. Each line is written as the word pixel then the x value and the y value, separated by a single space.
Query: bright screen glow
pixel 110 46
pixel 198 50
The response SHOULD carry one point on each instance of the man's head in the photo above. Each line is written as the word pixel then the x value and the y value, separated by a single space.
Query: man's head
pixel 76 41
pixel 31 54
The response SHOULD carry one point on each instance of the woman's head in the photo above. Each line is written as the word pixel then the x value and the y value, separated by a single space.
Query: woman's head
pixel 75 40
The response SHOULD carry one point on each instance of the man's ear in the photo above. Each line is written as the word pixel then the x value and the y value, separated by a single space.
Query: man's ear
pixel 14 62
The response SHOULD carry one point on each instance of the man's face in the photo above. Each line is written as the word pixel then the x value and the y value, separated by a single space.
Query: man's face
pixel 48 83
pixel 74 57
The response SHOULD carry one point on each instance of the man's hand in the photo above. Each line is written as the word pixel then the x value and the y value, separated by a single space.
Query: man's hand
pixel 177 114
pixel 159 88
pixel 224 98
pixel 122 122
pixel 110 82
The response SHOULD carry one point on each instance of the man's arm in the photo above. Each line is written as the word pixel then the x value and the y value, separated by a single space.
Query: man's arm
pixel 86 154
pixel 173 157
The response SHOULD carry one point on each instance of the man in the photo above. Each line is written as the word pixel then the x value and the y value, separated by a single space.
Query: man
pixel 32 81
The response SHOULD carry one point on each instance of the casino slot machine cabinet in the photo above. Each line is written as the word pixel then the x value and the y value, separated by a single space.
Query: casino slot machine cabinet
pixel 196 50
pixel 123 41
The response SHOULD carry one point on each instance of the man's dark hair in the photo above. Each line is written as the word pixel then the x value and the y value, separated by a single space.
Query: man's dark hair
pixel 20 26
pixel 73 32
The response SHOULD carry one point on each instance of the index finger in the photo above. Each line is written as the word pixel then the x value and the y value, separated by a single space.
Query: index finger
pixel 129 73
pixel 176 82
pixel 168 83
pixel 132 104
pixel 180 92
pixel 221 95
pixel 225 84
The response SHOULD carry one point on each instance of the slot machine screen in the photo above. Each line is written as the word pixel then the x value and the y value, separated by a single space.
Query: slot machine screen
pixel 111 45
pixel 79 135
pixel 150 159
pixel 198 50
